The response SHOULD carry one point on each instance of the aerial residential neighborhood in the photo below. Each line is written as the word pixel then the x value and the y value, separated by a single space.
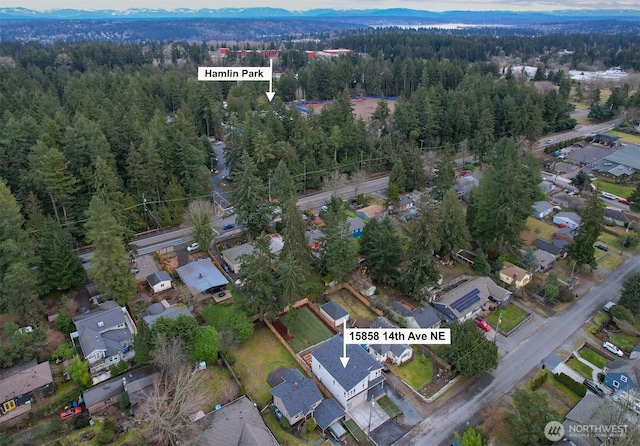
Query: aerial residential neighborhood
pixel 407 234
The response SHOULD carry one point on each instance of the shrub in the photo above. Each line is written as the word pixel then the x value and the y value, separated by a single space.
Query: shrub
pixel 64 324
pixel 119 368
pixel 63 352
pixel 107 433
pixel 539 380
pixel 284 423
pixel 81 420
pixel 565 295
pixel 576 387
pixel 623 313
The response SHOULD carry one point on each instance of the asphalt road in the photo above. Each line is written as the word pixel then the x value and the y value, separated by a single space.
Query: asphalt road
pixel 549 334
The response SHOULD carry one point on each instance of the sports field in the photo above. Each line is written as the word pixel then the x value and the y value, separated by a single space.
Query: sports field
pixel 362 107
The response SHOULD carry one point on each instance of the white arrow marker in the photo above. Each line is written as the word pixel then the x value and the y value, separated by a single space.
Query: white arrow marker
pixel 344 359
pixel 270 94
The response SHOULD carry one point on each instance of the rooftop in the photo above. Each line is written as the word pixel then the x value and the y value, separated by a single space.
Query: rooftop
pixel 334 310
pixel 298 393
pixel 172 312
pixel 327 413
pixel 158 277
pixel 629 156
pixel 201 275
pixel 25 380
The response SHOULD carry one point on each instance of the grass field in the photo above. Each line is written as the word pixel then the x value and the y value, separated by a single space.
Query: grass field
pixel 389 407
pixel 511 317
pixel 580 367
pixel 306 327
pixel 356 309
pixel 615 189
pixel 610 260
pixel 632 139
pixel 221 387
pixel 625 341
pixel 256 359
pixel 561 397
pixel 540 228
pixel 355 431
pixel 451 272
pixel 416 373
pixel 214 314
pixel 593 357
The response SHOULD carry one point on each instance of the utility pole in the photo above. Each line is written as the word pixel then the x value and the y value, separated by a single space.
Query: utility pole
pixel 146 218
pixel 304 166
pixel 369 429
pixel 213 186
pixel 269 178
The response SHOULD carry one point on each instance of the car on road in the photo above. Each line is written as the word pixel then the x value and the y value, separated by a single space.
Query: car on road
pixel 613 349
pixel 602 247
pixel 228 226
pixel 193 247
pixel 484 325
pixel 624 201
pixel 608 195
pixel 593 387
pixel 82 310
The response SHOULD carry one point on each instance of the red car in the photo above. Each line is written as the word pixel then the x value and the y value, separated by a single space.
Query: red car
pixel 563 225
pixel 623 201
pixel 70 413
pixel 484 325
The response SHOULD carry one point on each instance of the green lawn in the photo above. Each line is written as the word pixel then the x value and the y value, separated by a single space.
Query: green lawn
pixel 416 373
pixel 255 359
pixel 355 431
pixel 540 228
pixel 356 309
pixel 306 328
pixel 601 318
pixel 610 260
pixel 285 437
pixel 633 139
pixel 580 367
pixel 615 189
pixel 511 317
pixel 214 314
pixel 593 357
pixel 389 407
pixel 561 397
pixel 220 386
pixel 625 341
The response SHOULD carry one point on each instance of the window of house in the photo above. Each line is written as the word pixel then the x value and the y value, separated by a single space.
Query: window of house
pixel 616 384
pixel 623 379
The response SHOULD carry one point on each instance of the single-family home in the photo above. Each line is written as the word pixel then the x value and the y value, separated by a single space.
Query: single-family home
pixel 545 260
pixel 296 397
pixel 350 385
pixel 394 353
pixel 406 203
pixel 374 211
pixel 238 423
pixel 619 381
pixel 159 281
pixel 23 384
pixel 315 239
pixel 465 300
pixel 541 209
pixel 567 234
pixel 423 317
pixel 567 219
pixel 163 309
pixel 551 248
pixel 335 313
pixel 546 187
pixel 616 171
pixel 107 393
pixel 105 335
pixel 202 276
pixel 234 254
pixel 328 415
pixel 514 275
pixel 617 217
pixel 588 412
pixel 356 226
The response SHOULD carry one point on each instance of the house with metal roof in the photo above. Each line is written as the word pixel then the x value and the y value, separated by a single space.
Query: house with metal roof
pixel 568 219
pixel 105 335
pixel 464 301
pixel 296 397
pixel 201 276
pixel 163 309
pixel 423 317
pixel 394 353
pixel 159 281
pixel 238 423
pixel 328 415
pixel 22 385
pixel 335 313
pixel 350 385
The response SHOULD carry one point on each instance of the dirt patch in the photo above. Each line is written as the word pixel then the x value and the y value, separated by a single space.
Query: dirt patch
pixel 436 383
pixel 362 107
pixel 53 339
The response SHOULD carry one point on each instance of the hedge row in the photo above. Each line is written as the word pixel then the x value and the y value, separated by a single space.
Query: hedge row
pixel 576 387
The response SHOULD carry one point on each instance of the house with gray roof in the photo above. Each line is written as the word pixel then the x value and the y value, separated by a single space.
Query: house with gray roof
pixel 394 353
pixel 541 209
pixel 296 397
pixel 551 248
pixel 159 281
pixel 105 335
pixel 465 300
pixel 423 317
pixel 202 276
pixel 545 260
pixel 21 385
pixel 617 217
pixel 238 423
pixel 163 309
pixel 328 415
pixel 335 313
pixel 350 385
pixel 628 157
pixel 232 255
pixel 356 226
pixel 587 412
pixel 107 393
pixel 612 170
pixel 569 219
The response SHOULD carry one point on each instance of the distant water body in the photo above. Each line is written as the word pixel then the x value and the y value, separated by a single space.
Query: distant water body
pixel 441 26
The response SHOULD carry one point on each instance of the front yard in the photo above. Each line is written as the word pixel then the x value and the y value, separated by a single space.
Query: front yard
pixel 561 397
pixel 615 189
pixel 512 315
pixel 583 369
pixel 306 328
pixel 416 373
pixel 255 359
pixel 593 357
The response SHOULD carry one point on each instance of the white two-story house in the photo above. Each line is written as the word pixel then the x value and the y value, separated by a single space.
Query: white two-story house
pixel 351 385
pixel 105 335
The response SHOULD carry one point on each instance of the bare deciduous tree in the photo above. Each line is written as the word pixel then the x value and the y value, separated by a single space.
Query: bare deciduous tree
pixel 335 180
pixel 169 355
pixel 357 178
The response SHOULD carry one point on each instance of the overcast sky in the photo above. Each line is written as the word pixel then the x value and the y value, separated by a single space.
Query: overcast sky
pixel 438 5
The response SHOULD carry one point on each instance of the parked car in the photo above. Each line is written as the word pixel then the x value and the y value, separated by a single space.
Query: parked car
pixel 624 201
pixel 563 225
pixel 609 196
pixel 192 247
pixel 134 270
pixel 324 208
pixel 608 306
pixel 82 310
pixel 226 267
pixel 593 387
pixel 602 247
pixel 482 324
pixel 70 412
pixel 613 349
pixel 222 293
pixel 228 226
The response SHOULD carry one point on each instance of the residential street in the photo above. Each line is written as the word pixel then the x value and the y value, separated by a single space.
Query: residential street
pixel 535 344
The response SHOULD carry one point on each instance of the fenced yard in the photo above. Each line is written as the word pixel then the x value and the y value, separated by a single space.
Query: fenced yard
pixel 416 373
pixel 512 315
pixel 356 309
pixel 255 359
pixel 306 328
pixel 593 357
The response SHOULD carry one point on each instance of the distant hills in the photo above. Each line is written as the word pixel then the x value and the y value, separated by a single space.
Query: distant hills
pixel 484 17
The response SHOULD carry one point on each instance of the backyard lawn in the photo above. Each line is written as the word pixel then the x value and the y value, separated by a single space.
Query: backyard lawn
pixel 255 359
pixel 356 309
pixel 452 272
pixel 306 328
pixel 220 386
pixel 615 189
pixel 416 373
pixel 214 314
pixel 593 357
pixel 511 317
pixel 540 228
pixel 561 397
pixel 580 367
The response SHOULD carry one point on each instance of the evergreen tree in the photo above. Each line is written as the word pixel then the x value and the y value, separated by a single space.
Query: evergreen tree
pixel 630 294
pixel 291 279
pixel 398 176
pixel 294 236
pixel 20 292
pixel 480 262
pixel 144 343
pixel 451 229
pixel 383 251
pixel 419 270
pixel 109 265
pixel 174 203
pixel 60 265
pixel 199 215
pixel 206 346
pixel 338 254
pixel 582 251
pixel 533 412
pixel 13 239
pixel 282 184
pixel 529 259
pixel 445 175
pixel 634 199
pixel 257 293
pixel 470 353
pixel 472 437
pixel 79 372
pixel 249 197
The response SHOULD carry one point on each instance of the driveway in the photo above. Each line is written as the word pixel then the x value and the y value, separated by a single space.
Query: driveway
pixel 368 416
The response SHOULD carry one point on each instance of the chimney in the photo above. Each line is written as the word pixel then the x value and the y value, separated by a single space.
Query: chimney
pixel 295 384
